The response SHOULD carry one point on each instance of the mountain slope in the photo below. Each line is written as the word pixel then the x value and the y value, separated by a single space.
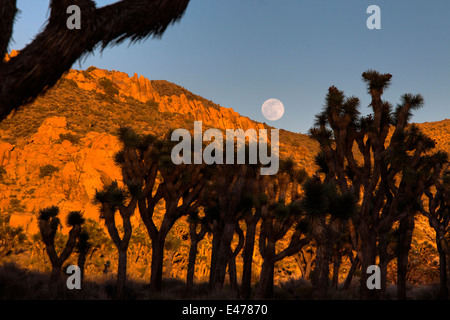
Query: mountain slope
pixel 59 150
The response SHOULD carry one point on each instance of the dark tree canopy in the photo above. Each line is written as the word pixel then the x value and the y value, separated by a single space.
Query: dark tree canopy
pixel 53 51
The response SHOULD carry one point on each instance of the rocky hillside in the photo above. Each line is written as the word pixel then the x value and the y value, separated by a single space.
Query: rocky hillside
pixel 58 150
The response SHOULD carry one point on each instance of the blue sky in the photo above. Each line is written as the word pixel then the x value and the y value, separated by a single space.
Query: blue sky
pixel 239 53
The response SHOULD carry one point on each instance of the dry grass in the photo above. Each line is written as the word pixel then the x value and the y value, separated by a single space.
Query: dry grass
pixel 17 283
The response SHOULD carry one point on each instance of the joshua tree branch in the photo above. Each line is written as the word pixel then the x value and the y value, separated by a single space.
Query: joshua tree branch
pixel 42 63
pixel 295 246
pixel 70 244
pixel 8 13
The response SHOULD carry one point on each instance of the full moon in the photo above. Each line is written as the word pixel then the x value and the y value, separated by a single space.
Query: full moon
pixel 272 109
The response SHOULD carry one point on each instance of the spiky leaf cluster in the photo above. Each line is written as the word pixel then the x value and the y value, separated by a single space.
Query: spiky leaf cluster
pixel 376 81
pixel 48 213
pixel 74 218
pixel 315 202
pixel 111 195
pixel 83 245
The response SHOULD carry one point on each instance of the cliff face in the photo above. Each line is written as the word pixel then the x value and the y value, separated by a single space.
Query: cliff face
pixel 141 89
pixel 50 170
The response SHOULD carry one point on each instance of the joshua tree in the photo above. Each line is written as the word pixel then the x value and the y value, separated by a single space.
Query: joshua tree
pixel 48 223
pixel 172 245
pixel 139 162
pixel 328 210
pixel 305 260
pixel 182 188
pixel 93 238
pixel 83 247
pixel 146 164
pixel 195 222
pixel 251 219
pixel 438 215
pixel 54 50
pixel 231 204
pixel 112 199
pixel 386 176
pixel 279 214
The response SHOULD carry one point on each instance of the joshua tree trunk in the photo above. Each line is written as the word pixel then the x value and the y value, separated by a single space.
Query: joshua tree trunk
pixel 81 263
pixel 322 272
pixel 191 266
pixel 232 272
pixel 249 248
pixel 108 214
pixel 121 273
pixel 217 234
pixel 265 286
pixel 223 255
pixel 195 239
pixel 58 261
pixel 351 272
pixel 367 256
pixel 157 263
pixel 406 228
pixel 443 288
pixel 169 264
pixel 384 260
pixel 337 259
pixel 56 274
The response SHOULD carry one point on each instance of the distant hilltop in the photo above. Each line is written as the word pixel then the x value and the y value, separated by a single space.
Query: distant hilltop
pixel 169 97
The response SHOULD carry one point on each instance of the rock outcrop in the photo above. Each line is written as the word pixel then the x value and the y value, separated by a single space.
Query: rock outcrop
pixel 141 89
pixel 50 170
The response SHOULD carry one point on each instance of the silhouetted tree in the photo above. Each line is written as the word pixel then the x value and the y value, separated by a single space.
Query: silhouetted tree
pixel 328 210
pixel 83 247
pixel 386 176
pixel 195 235
pixel 342 248
pixel 147 166
pixel 438 214
pixel 251 219
pixel 112 199
pixel 93 239
pixel 279 215
pixel 56 48
pixel 182 188
pixel 48 223
pixel 172 246
pixel 305 259
pixel 421 170
pixel 139 161
pixel 232 181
